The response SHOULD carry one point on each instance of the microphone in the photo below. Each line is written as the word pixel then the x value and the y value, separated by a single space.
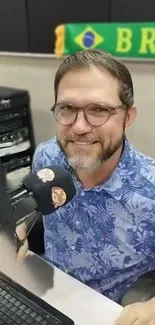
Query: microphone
pixel 52 187
pixel 45 191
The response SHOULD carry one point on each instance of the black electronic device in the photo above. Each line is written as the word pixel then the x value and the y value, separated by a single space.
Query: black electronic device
pixel 14 163
pixel 19 306
pixel 15 114
pixel 17 142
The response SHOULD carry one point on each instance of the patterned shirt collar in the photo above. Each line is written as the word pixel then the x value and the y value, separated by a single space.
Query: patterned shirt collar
pixel 116 182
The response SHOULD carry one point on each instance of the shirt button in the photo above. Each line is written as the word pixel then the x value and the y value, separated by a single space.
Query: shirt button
pixel 73 247
pixel 82 193
pixel 77 222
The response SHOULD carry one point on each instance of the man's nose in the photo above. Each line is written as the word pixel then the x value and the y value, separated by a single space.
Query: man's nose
pixel 81 125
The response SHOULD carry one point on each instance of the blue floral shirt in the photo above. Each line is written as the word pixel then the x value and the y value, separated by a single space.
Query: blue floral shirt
pixel 104 237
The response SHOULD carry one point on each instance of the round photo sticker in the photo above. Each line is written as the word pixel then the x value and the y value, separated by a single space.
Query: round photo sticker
pixel 58 196
pixel 46 175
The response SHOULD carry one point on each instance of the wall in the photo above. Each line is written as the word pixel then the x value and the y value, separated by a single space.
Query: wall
pixel 37 73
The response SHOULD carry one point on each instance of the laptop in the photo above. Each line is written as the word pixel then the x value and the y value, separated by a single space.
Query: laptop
pixel 18 305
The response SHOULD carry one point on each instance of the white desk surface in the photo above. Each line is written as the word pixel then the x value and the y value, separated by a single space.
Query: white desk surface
pixel 81 303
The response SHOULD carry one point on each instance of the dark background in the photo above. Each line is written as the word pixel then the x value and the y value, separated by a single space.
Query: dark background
pixel 28 25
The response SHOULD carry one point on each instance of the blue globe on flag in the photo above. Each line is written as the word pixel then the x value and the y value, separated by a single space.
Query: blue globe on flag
pixel 88 39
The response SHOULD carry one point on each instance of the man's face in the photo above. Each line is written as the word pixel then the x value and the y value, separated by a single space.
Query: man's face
pixel 87 146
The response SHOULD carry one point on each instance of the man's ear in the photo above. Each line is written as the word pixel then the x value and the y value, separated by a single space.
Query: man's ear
pixel 131 116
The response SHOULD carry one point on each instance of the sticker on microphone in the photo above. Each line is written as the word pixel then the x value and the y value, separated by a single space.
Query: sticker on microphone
pixel 58 196
pixel 46 175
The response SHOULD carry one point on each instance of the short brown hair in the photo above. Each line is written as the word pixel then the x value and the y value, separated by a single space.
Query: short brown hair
pixel 102 60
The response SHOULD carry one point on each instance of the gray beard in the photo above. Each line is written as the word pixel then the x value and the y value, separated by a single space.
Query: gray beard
pixel 81 161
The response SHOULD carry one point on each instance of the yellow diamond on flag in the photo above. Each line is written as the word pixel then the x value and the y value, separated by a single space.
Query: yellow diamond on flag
pixel 88 39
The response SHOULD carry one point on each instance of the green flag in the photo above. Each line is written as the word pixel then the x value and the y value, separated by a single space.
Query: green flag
pixel 133 40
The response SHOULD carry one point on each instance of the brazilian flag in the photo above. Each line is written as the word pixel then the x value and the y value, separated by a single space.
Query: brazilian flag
pixel 120 39
pixel 88 39
pixel 71 38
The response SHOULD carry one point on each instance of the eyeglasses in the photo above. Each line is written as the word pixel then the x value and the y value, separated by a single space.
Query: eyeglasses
pixel 95 114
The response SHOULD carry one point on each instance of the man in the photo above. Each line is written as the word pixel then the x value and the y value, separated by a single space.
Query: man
pixel 105 236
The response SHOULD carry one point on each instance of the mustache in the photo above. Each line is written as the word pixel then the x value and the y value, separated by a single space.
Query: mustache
pixel 87 138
